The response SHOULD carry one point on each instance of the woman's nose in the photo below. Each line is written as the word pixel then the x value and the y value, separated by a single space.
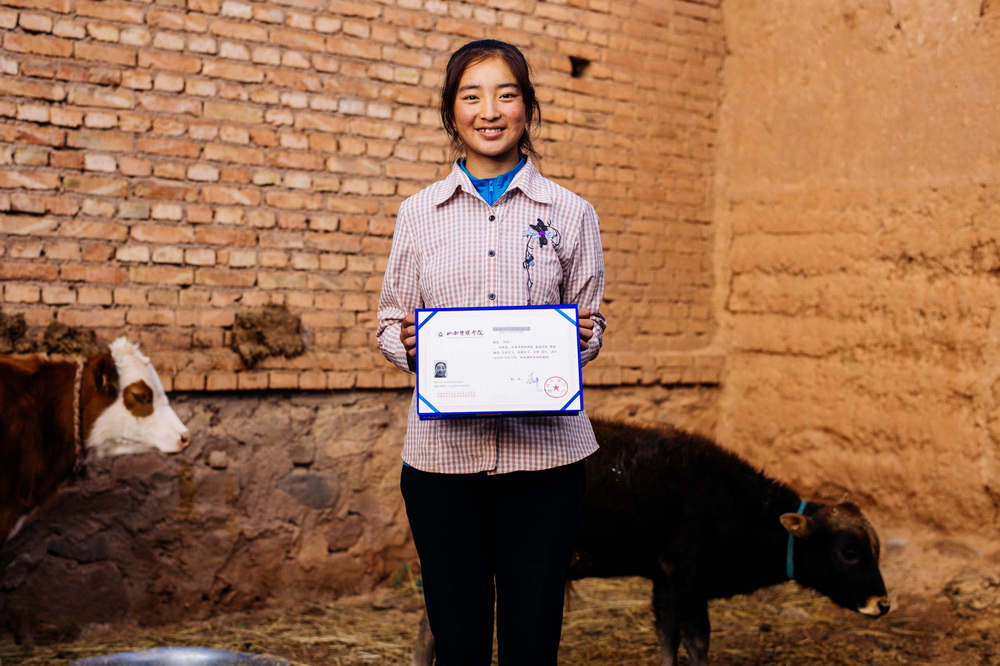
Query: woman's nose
pixel 490 109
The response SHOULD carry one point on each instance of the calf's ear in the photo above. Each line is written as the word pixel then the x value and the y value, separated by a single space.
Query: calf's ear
pixel 796 524
pixel 106 377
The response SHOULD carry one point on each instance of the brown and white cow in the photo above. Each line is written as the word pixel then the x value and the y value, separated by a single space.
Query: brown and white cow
pixel 56 412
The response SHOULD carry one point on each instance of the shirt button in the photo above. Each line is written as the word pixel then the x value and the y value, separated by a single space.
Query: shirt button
pixel 492 253
pixel 492 217
pixel 493 297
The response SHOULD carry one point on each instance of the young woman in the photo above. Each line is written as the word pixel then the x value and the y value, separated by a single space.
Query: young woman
pixel 493 503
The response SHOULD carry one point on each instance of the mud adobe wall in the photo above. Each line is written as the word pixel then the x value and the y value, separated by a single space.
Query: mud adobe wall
pixel 857 220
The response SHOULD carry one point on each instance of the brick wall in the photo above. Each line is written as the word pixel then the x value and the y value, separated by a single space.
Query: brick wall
pixel 164 165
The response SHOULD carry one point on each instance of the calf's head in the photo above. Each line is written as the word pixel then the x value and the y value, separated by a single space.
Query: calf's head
pixel 836 552
pixel 124 407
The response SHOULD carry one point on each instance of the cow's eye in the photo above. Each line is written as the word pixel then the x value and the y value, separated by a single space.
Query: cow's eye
pixel 849 556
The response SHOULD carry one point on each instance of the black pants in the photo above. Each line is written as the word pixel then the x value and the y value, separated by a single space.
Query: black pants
pixel 512 534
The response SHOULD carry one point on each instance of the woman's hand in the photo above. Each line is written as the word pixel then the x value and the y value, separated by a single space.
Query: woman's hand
pixel 586 328
pixel 408 336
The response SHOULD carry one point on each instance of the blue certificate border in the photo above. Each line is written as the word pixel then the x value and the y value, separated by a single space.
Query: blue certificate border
pixel 436 414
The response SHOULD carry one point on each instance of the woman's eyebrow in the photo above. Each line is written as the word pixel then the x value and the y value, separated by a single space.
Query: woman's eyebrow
pixel 473 86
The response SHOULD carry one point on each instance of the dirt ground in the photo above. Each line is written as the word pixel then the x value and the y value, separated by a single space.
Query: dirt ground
pixel 946 610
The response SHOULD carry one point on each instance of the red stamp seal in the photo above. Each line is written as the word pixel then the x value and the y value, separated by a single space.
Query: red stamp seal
pixel 556 387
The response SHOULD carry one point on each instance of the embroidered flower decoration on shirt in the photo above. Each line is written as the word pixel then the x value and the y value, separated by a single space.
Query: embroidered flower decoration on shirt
pixel 544 234
pixel 538 231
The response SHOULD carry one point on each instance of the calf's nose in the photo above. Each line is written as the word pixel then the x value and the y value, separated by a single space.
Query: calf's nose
pixel 185 440
pixel 875 607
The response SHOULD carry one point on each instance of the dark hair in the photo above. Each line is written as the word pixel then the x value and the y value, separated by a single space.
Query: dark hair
pixel 473 53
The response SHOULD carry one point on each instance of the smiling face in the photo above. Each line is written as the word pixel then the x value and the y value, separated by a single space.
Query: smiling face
pixel 490 117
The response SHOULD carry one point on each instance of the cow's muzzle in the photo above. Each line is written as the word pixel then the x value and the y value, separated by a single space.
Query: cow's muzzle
pixel 875 607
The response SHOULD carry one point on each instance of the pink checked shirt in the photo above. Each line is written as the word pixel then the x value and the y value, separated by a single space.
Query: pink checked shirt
pixel 451 249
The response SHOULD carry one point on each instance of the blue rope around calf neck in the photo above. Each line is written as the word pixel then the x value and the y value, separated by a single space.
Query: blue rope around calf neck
pixel 789 559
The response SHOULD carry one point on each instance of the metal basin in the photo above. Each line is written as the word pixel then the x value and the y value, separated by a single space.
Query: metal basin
pixel 182 656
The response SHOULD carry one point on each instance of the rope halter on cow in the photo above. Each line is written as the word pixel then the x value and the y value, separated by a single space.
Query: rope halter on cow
pixel 790 554
pixel 77 416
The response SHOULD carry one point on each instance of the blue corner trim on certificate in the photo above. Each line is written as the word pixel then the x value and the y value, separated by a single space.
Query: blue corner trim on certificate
pixel 498 361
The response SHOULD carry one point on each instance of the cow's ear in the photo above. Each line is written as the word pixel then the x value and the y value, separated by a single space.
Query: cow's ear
pixel 797 524
pixel 106 377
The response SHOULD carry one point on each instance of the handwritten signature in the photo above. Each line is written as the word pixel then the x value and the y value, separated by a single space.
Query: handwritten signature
pixel 532 379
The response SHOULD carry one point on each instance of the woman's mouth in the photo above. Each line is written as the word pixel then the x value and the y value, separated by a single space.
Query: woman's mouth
pixel 490 131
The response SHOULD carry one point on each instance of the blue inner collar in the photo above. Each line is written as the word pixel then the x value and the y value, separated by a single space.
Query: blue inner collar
pixel 491 189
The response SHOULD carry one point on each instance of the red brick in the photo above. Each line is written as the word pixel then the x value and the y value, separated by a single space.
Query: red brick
pixel 93 273
pixel 94 296
pixel 111 187
pixel 354 48
pixel 220 194
pixel 411 171
pixel 162 234
pixel 297 80
pixel 169 147
pixel 58 6
pixel 117 55
pixel 171 62
pixel 296 160
pixel 294 200
pixel 117 98
pixel 53 92
pixel 204 6
pixel 32 180
pixel 233 72
pixel 227 153
pixel 298 39
pixel 22 202
pixel 198 214
pixel 162 275
pixel 228 237
pixel 26 225
pixel 102 318
pixel 28 271
pixel 110 10
pixel 236 174
pixel 108 231
pixel 145 317
pixel 357 8
pixel 164 191
pixel 103 141
pixel 251 381
pixel 239 31
pixel 222 277
pixel 205 318
pixel 40 44
pixel 19 293
pixel 230 111
pixel 178 105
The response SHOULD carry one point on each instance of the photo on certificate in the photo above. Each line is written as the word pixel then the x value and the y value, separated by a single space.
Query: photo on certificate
pixel 498 361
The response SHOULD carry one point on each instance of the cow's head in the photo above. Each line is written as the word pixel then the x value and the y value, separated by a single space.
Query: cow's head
pixel 836 552
pixel 124 407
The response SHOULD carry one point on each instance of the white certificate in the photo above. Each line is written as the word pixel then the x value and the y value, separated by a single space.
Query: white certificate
pixel 498 361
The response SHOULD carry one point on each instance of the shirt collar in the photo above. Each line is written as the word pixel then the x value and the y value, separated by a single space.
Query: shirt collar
pixel 531 183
